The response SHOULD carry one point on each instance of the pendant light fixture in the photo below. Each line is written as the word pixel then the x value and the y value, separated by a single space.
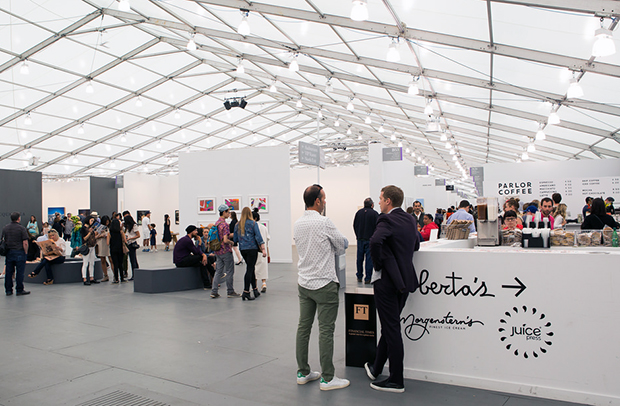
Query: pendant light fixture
pixel 329 87
pixel 28 120
pixel 413 89
pixel 299 104
pixel 337 122
pixel 531 147
pixel 428 110
pixel 208 122
pixel 80 129
pixel 382 129
pixel 244 26
pixel 89 87
pixel 540 134
pixel 393 54
pixel 191 44
pixel 368 119
pixel 123 137
pixel 139 102
pixel 393 137
pixel 24 70
pixel 240 68
pixel 554 118
pixel 349 131
pixel 574 89
pixel 273 87
pixel 359 11
pixel 604 44
pixel 350 105
pixel 294 66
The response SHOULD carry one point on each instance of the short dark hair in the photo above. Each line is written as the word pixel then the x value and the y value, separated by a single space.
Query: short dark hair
pixel 598 207
pixel 368 203
pixel 395 194
pixel 429 216
pixel 311 194
pixel 15 216
pixel 409 210
pixel 126 212
pixel 545 200
pixel 510 213
pixel 152 225
pixel 464 203
pixel 255 214
pixel 557 198
pixel 418 202
pixel 588 199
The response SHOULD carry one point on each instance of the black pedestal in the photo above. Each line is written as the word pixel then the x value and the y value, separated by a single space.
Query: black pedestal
pixel 361 326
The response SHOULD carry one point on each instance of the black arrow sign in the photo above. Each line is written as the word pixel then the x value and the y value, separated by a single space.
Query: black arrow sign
pixel 520 286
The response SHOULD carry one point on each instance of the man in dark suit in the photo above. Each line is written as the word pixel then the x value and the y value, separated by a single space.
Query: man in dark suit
pixel 417 212
pixel 392 247
pixel 364 224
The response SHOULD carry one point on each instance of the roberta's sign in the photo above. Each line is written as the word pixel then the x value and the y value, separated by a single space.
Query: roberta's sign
pixel 514 188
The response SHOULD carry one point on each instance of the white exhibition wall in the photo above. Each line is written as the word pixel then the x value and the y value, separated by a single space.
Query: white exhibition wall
pixel 574 180
pixel 240 173
pixel 402 174
pixel 159 194
pixel 72 196
pixel 345 191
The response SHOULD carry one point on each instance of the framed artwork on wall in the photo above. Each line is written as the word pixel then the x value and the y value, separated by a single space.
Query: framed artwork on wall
pixel 233 202
pixel 140 214
pixel 176 217
pixel 84 212
pixel 265 223
pixel 261 202
pixel 51 213
pixel 206 205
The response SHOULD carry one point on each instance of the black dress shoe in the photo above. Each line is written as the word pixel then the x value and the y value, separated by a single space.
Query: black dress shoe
pixel 95 281
pixel 9 293
pixel 386 386
pixel 87 283
pixel 367 282
pixel 23 292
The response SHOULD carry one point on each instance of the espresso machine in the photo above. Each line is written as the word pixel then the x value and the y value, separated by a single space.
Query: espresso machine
pixel 489 226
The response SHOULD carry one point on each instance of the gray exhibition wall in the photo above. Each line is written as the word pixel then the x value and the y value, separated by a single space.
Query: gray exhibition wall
pixel 22 192
pixel 103 195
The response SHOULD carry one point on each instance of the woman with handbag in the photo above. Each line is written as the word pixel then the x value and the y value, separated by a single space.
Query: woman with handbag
pixel 247 235
pixel 132 234
pixel 103 248
pixel 118 247
pixel 89 236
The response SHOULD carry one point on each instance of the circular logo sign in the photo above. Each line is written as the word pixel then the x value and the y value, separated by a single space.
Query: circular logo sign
pixel 526 332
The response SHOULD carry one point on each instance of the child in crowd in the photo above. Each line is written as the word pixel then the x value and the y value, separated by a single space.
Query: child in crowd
pixel 153 238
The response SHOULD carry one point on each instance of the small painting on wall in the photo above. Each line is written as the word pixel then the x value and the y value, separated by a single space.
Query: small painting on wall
pixel 206 205
pixel 140 214
pixel 176 217
pixel 233 202
pixel 260 202
pixel 265 223
pixel 51 213
pixel 84 212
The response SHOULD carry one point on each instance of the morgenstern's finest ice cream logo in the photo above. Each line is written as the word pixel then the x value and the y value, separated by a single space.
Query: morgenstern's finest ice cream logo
pixel 526 332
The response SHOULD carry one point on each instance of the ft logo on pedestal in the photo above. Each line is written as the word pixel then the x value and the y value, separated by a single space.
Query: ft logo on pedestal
pixel 361 312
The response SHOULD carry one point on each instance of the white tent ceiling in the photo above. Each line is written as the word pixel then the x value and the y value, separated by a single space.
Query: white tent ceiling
pixel 491 70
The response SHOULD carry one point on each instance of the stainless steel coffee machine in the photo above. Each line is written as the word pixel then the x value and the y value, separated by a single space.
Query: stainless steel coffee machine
pixel 489 226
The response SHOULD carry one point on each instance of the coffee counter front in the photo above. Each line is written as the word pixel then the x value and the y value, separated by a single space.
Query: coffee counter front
pixel 538 322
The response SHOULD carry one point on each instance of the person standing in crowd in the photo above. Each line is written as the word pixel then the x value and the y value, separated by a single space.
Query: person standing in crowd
pixel 586 209
pixel 557 199
pixel 153 235
pixel 609 202
pixel 46 227
pixel 57 225
pixel 132 234
pixel 89 236
pixel 262 263
pixel 463 214
pixel 56 257
pixel 546 207
pixel 247 235
pixel 418 212
pixel 33 227
pixel 392 247
pixel 429 225
pixel 224 265
pixel 318 242
pixel 76 235
pixel 364 224
pixel 68 227
pixel 235 247
pixel 510 221
pixel 116 241
pixel 15 237
pixel 559 216
pixel 187 254
pixel 103 247
pixel 167 234
pixel 146 231
pixel 598 218
pixel 438 217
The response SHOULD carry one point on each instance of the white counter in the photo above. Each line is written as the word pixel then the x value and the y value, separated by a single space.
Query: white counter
pixel 535 322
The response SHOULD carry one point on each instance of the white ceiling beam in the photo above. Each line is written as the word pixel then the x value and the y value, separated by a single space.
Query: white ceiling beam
pixel 595 7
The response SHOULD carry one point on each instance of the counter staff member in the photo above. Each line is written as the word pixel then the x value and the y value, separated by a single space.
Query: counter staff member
pixel 318 241
pixel 392 247
pixel 16 238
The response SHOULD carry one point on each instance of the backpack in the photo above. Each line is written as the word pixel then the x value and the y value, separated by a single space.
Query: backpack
pixel 213 239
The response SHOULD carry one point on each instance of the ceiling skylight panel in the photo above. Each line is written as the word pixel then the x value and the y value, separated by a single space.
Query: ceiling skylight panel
pixel 21 36
pixel 550 31
pixel 530 75
pixel 453 60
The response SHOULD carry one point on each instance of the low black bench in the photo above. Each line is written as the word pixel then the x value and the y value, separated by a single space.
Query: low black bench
pixel 68 272
pixel 162 280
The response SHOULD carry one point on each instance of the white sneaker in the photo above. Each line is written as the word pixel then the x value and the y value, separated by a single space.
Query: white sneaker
pixel 312 376
pixel 335 383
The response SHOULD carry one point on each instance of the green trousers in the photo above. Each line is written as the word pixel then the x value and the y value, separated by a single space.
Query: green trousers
pixel 323 301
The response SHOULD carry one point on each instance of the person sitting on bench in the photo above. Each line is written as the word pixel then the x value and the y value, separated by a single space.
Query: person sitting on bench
pixel 187 254
pixel 52 252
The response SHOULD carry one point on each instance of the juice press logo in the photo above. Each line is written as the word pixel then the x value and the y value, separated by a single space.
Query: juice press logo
pixel 526 332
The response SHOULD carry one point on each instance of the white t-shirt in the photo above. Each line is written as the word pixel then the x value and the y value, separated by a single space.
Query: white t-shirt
pixel 557 221
pixel 132 233
pixel 62 246
pixel 145 227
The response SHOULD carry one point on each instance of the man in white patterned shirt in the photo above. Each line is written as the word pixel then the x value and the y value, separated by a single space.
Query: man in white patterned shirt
pixel 318 241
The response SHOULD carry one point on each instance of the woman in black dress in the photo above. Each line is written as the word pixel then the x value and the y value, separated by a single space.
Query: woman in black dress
pixel 116 241
pixel 167 235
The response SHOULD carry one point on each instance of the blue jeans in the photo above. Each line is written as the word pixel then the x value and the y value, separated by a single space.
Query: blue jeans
pixel 363 249
pixel 15 260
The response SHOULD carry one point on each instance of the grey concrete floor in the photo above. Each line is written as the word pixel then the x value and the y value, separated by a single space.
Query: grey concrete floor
pixel 104 344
